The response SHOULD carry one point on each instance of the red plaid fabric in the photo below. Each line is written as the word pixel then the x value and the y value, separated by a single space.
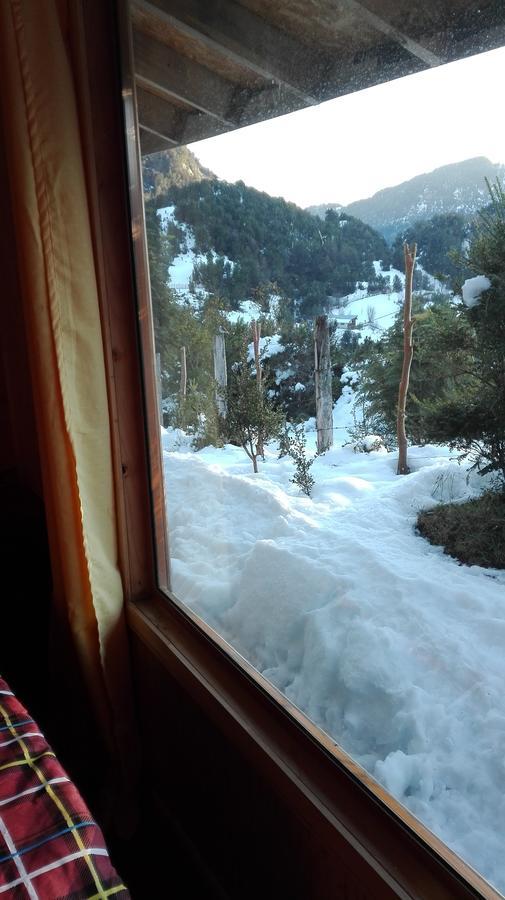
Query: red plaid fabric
pixel 50 847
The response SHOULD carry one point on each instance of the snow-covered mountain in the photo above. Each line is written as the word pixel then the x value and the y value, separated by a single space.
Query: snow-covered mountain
pixel 457 188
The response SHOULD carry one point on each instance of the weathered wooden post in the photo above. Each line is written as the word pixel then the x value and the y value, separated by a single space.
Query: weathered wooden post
pixel 409 254
pixel 220 373
pixel 256 335
pixel 184 374
pixel 324 399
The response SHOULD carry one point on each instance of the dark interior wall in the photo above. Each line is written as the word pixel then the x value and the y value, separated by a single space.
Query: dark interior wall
pixel 246 826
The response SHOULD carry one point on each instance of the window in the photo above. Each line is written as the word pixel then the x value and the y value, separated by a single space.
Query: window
pixel 321 588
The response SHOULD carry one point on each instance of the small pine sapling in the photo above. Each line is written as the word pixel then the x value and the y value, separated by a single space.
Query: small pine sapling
pixel 252 419
pixel 293 443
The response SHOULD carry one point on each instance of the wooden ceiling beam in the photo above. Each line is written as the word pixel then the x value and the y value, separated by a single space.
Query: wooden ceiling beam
pixel 162 70
pixel 381 25
pixel 242 37
pixel 152 142
pixel 174 125
pixel 161 117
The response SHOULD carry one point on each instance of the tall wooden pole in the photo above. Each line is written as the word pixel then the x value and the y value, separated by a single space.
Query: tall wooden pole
pixel 184 374
pixel 324 399
pixel 220 373
pixel 409 254
pixel 256 335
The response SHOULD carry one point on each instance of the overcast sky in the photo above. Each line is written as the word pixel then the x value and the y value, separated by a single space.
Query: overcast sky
pixel 347 149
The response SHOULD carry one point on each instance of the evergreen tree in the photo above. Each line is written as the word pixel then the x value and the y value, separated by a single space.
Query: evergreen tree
pixel 472 415
pixel 252 419
pixel 442 359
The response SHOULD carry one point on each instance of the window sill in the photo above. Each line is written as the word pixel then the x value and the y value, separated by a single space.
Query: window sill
pixel 390 852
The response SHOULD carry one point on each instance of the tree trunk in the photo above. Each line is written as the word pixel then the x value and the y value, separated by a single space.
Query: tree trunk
pixel 324 399
pixel 409 254
pixel 220 373
pixel 256 335
pixel 184 374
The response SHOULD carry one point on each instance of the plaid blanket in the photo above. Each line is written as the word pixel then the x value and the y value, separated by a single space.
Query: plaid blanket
pixel 50 847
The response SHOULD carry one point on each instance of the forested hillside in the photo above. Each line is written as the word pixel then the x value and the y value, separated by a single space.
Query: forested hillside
pixel 171 168
pixel 439 241
pixel 248 240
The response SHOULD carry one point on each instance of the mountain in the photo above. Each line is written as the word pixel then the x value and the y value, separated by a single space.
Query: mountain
pixel 320 209
pixel 245 243
pixel 457 188
pixel 172 168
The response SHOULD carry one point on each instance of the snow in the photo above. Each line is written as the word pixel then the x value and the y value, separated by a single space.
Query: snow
pixel 269 346
pixel 385 642
pixel 473 288
pixel 299 386
pixel 166 215
pixel 247 311
pixel 180 270
pixel 359 303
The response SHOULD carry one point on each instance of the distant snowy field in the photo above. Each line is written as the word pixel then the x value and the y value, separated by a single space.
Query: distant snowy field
pixel 389 645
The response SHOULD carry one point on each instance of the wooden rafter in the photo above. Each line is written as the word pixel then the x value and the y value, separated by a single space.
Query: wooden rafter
pixel 162 70
pixel 245 39
pixel 380 24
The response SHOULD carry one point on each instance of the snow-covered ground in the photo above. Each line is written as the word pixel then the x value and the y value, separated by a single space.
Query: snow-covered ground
pixel 389 645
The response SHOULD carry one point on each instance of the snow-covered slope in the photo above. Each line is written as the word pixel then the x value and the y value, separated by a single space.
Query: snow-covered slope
pixel 389 645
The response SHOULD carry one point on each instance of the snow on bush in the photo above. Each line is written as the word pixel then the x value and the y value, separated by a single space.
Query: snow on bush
pixel 473 288
pixel 369 443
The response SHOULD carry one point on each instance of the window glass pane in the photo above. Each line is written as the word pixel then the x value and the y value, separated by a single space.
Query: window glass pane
pixel 280 258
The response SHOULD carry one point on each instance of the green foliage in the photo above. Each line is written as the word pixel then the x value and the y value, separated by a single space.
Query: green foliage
pixel 293 443
pixel 472 415
pixel 252 419
pixel 196 414
pixel 437 239
pixel 457 383
pixel 442 345
pixel 274 246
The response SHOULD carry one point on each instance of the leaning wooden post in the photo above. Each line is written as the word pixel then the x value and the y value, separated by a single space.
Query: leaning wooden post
pixel 409 254
pixel 184 374
pixel 220 373
pixel 324 398
pixel 256 335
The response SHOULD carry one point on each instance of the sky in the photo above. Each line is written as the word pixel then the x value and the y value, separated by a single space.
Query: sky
pixel 349 148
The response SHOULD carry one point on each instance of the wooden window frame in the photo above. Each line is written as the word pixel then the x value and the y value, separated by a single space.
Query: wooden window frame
pixel 388 852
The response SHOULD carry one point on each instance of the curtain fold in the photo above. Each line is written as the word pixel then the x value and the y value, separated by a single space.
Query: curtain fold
pixel 40 116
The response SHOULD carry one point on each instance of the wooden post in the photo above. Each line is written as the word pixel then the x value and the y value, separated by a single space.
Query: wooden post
pixel 256 335
pixel 324 399
pixel 220 373
pixel 184 374
pixel 409 254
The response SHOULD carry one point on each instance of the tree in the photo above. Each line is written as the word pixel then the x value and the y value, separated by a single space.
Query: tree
pixel 442 359
pixel 408 351
pixel 324 398
pixel 397 284
pixel 252 419
pixel 471 416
